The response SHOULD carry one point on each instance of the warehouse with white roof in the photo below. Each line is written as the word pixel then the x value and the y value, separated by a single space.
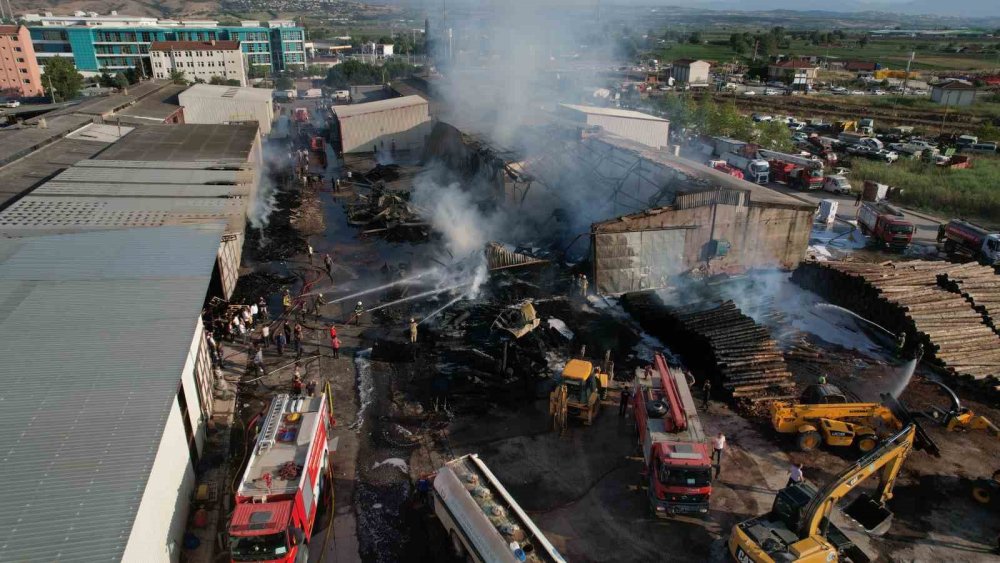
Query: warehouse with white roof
pixel 400 124
pixel 635 126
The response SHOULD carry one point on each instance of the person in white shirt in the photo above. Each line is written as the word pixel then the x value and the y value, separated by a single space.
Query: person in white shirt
pixel 795 474
pixel 718 445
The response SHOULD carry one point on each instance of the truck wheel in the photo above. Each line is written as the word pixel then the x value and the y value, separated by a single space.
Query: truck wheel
pixel 866 443
pixel 809 441
pixel 982 494
pixel 949 246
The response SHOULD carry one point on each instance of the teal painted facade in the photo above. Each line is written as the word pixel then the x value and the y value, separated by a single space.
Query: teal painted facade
pixel 116 48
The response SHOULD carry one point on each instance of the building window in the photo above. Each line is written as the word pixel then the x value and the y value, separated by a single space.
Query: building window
pixel 188 427
pixel 20 60
pixel 17 49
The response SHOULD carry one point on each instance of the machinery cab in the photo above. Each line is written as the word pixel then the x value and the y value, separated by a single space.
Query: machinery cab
pixel 581 381
pixel 823 394
pixel 991 249
pixel 261 532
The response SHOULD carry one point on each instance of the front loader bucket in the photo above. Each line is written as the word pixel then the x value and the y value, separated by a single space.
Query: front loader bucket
pixel 873 516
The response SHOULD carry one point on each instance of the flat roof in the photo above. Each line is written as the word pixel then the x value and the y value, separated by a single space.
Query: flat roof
pixel 230 92
pixel 155 108
pixel 19 177
pixel 114 175
pixel 377 106
pixel 185 142
pixel 18 142
pixel 614 112
pixel 102 189
pixel 95 330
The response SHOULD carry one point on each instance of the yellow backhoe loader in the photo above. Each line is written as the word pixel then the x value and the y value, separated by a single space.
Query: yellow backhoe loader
pixel 798 527
pixel 826 417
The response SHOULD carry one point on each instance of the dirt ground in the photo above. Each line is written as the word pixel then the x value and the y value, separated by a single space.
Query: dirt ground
pixel 582 489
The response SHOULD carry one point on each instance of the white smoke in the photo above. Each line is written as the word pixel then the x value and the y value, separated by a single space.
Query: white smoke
pixel 453 213
pixel 276 160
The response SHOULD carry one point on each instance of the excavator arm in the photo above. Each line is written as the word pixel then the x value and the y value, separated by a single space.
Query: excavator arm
pixel 870 512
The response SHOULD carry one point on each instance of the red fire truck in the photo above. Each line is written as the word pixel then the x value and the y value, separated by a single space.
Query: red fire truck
pixel 884 225
pixel 286 479
pixel 677 457
pixel 796 171
pixel 723 166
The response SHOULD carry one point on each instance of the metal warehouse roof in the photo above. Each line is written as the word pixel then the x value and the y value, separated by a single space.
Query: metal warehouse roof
pixel 152 176
pixel 62 214
pixel 22 175
pixel 614 112
pixel 95 330
pixel 140 190
pixel 185 142
pixel 381 105
pixel 168 164
pixel 230 92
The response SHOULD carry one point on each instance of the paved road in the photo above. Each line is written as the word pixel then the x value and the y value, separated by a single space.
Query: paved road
pixel 926 225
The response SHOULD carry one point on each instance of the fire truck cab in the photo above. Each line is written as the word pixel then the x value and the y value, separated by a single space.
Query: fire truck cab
pixel 677 459
pixel 285 482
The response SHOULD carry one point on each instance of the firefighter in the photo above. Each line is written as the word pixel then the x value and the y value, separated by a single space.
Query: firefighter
pixel 706 393
pixel 623 401
pixel 413 331
pixel 583 285
pixel 900 343
pixel 359 310
pixel 286 301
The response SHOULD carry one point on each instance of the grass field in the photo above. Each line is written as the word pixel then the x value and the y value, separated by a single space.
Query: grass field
pixel 970 193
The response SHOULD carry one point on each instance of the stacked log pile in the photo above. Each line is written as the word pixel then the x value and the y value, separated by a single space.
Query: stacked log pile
pixel 980 286
pixel 906 297
pixel 721 342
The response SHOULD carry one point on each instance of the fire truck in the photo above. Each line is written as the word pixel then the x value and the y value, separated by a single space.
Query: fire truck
pixel 962 237
pixel 884 225
pixel 726 168
pixel 286 479
pixel 797 171
pixel 678 462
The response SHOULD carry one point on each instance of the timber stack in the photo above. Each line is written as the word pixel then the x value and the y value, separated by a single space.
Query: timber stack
pixel 980 286
pixel 722 343
pixel 909 297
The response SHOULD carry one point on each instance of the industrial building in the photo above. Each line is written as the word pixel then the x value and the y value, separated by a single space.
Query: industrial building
pixel 953 92
pixel 103 411
pixel 207 103
pixel 636 126
pixel 19 73
pixel 113 42
pixel 400 123
pixel 199 60
pixel 691 72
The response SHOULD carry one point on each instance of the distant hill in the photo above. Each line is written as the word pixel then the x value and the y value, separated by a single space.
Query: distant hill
pixel 153 8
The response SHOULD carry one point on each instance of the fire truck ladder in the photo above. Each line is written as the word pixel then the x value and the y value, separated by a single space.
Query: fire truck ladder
pixel 270 431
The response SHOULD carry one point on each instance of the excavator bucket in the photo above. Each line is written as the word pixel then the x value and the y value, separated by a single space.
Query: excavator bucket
pixel 899 409
pixel 872 515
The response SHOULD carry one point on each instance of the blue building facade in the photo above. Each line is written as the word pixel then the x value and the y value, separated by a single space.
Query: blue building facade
pixel 275 46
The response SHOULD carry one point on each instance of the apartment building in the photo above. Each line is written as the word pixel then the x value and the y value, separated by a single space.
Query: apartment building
pixel 19 73
pixel 198 60
pixel 113 42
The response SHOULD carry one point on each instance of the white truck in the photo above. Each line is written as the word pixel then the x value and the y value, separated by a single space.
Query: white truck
pixel 756 169
pixel 484 523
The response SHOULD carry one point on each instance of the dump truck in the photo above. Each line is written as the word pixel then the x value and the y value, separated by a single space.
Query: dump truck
pixel 286 480
pixel 578 393
pixel 798 526
pixel 965 238
pixel 825 416
pixel 755 170
pixel 885 226
pixel 797 171
pixel 677 459
pixel 483 521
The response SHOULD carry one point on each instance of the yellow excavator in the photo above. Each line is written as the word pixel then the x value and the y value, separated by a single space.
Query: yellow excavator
pixel 798 527
pixel 578 394
pixel 825 416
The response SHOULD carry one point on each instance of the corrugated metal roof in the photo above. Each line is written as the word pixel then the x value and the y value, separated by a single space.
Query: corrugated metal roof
pixel 168 164
pixel 94 333
pixel 613 112
pixel 381 105
pixel 151 176
pixel 185 142
pixel 140 190
pixel 55 214
pixel 233 92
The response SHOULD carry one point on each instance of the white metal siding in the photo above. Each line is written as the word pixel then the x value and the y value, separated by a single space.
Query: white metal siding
pixel 646 131
pixel 230 254
pixel 199 109
pixel 198 386
pixel 158 530
pixel 408 126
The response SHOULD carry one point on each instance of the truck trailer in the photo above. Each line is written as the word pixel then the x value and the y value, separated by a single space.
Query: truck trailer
pixel 965 238
pixel 754 169
pixel 286 480
pixel 885 226
pixel 483 522
pixel 677 460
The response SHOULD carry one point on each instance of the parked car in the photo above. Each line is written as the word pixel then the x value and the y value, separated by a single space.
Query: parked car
pixel 886 155
pixel 749 93
pixel 11 104
pixel 800 137
pixel 878 92
pixel 837 184
pixel 857 92
pixel 796 125
pixel 840 90
pixel 983 147
pixel 773 91
pixel 760 117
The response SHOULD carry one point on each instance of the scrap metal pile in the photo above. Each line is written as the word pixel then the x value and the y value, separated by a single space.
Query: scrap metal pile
pixel 942 307
pixel 737 353
pixel 383 211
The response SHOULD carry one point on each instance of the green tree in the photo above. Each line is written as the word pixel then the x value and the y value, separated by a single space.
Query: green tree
pixel 106 80
pixel 863 42
pixel 62 77
pixel 132 75
pixel 177 76
pixel 774 135
pixel 120 81
pixel 284 83
pixel 695 38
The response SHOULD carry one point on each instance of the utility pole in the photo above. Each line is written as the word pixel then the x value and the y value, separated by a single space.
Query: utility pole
pixel 52 91
pixel 906 77
pixel 756 42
